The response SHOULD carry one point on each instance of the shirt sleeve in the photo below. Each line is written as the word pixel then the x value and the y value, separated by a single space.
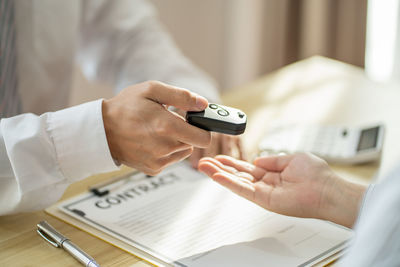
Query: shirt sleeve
pixel 377 231
pixel 41 155
pixel 367 198
pixel 122 43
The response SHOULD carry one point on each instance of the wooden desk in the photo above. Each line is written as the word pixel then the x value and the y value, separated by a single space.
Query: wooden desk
pixel 314 90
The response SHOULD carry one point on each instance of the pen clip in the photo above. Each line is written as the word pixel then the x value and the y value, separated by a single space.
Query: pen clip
pixel 50 234
pixel 47 238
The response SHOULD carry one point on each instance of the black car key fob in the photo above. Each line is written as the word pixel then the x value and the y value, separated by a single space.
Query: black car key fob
pixel 219 118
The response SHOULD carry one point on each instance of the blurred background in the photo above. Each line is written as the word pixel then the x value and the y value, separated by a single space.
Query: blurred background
pixel 236 41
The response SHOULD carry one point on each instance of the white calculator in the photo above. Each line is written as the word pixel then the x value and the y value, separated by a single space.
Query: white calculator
pixel 335 144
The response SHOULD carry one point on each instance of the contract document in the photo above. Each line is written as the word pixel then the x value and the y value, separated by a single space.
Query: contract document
pixel 183 218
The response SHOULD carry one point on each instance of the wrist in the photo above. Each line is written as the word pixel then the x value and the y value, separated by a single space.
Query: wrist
pixel 109 125
pixel 341 201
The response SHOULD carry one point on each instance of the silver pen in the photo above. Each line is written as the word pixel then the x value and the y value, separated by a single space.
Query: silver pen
pixel 51 235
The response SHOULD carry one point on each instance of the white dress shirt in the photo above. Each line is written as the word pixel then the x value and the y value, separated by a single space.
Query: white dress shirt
pixel 117 42
pixel 377 231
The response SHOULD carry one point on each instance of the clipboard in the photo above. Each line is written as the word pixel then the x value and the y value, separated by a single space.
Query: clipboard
pixel 317 260
pixel 54 211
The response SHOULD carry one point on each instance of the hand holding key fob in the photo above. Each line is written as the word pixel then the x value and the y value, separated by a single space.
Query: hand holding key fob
pixel 219 118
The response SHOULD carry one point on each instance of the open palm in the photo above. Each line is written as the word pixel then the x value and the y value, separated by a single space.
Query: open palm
pixel 292 185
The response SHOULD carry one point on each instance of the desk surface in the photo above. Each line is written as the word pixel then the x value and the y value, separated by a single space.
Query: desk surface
pixel 316 90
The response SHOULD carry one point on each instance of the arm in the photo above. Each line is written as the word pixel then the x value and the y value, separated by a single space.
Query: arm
pixel 300 185
pixel 377 229
pixel 41 155
pixel 303 185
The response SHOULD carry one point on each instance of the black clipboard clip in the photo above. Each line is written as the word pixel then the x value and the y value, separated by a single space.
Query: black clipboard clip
pixel 97 188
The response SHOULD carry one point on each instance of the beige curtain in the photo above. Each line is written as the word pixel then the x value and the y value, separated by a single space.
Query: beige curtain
pixel 236 41
pixel 302 28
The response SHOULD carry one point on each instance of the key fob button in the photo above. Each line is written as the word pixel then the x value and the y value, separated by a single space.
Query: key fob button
pixel 213 106
pixel 223 112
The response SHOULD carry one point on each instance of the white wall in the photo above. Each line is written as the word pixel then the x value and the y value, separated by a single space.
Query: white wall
pixel 223 37
pixel 198 29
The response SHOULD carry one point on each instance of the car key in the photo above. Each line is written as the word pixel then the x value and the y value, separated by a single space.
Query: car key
pixel 219 118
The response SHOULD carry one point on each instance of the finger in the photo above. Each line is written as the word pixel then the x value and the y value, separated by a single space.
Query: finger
pixel 207 167
pixel 219 167
pixel 242 166
pixel 239 145
pixel 216 166
pixel 172 126
pixel 273 163
pixel 174 96
pixel 272 178
pixel 178 115
pixel 192 135
pixel 149 171
pixel 215 146
pixel 175 157
pixel 195 157
pixel 226 145
pixel 201 134
pixel 236 185
pixel 180 112
pixel 141 167
pixel 175 147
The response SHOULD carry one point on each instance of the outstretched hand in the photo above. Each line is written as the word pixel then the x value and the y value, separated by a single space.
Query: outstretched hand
pixel 300 185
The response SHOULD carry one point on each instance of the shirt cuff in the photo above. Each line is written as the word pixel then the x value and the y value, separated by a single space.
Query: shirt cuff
pixel 80 141
pixel 366 198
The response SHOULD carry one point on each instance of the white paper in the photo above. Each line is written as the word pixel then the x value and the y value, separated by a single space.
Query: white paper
pixel 184 218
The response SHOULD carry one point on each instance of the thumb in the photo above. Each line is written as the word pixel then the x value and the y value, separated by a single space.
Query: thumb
pixel 174 96
pixel 273 163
